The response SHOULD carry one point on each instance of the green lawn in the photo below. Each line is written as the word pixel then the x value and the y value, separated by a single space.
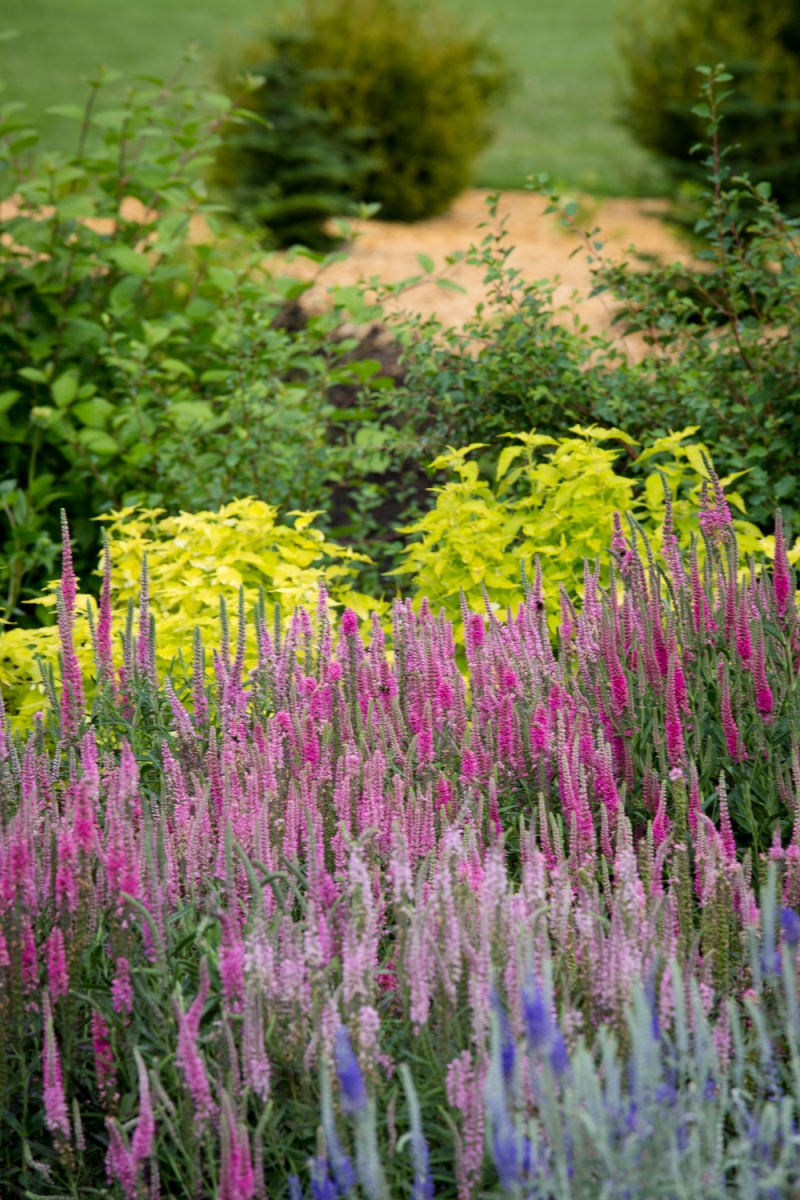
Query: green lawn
pixel 560 117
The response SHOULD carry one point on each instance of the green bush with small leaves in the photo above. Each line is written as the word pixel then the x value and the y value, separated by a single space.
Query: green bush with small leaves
pixel 145 352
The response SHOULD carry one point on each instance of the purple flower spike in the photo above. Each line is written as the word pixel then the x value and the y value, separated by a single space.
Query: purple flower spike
pixel 322 1186
pixel 507 1048
pixel 790 924
pixel 351 1082
pixel 538 1025
pixel 559 1058
pixel 295 1190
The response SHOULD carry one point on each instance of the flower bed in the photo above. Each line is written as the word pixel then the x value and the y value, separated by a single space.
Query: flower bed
pixel 532 909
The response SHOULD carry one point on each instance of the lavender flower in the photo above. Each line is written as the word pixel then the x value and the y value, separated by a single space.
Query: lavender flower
pixel 790 924
pixel 423 1181
pixel 538 1025
pixel 352 1092
pixel 322 1186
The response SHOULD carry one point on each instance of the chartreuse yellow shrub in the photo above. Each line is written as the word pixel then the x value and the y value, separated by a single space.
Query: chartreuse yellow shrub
pixel 192 561
pixel 559 507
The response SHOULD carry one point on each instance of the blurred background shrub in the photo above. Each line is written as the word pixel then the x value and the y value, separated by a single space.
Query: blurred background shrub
pixel 383 101
pixel 662 43
pixel 296 167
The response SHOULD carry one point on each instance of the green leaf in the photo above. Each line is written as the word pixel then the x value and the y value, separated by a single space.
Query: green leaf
pixel 94 412
pixel 98 442
pixel 365 369
pixel 122 294
pixel 192 415
pixel 174 366
pixel 507 456
pixel 223 279
pixel 65 389
pixel 33 374
pixel 130 261
pixel 448 285
pixel 73 111
pixel 7 399
pixel 426 262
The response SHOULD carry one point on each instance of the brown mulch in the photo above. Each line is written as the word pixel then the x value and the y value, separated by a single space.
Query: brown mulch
pixel 542 251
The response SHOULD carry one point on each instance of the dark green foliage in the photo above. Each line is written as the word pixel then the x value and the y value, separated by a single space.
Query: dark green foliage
pixel 397 80
pixel 295 168
pixel 723 348
pixel 663 42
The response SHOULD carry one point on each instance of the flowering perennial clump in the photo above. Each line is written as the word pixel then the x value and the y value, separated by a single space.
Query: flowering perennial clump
pixel 255 928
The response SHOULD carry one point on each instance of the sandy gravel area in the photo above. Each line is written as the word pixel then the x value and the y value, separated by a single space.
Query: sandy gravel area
pixel 542 250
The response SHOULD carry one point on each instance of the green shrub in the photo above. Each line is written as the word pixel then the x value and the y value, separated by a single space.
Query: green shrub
pixel 296 168
pixel 139 368
pixel 398 79
pixel 662 42
pixel 722 348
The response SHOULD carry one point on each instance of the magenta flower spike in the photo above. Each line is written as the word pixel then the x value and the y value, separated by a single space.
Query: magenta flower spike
pixel 144 1133
pixel 733 741
pixel 188 1056
pixel 120 1163
pixel 69 585
pixel 57 975
pixel 122 989
pixel 103 1055
pixel 237 1178
pixel 105 658
pixel 781 570
pixel 55 1102
pixel 673 729
pixel 764 699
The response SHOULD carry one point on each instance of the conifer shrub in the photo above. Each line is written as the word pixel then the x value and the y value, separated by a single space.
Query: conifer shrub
pixel 398 99
pixel 662 44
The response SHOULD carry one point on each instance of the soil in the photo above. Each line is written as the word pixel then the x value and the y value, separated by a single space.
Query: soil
pixel 543 250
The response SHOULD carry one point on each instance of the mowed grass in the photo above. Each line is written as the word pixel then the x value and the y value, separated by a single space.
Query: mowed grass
pixel 560 117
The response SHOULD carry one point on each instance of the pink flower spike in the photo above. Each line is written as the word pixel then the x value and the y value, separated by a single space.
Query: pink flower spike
pixel 120 1164
pixel 69 586
pixel 57 976
pixel 236 1176
pixel 55 1102
pixel 105 657
pixel 729 728
pixel 142 1140
pixel 122 988
pixel 231 964
pixel 103 1055
pixel 673 729
pixel 349 623
pixel 661 822
pixel 781 570
pixel 725 828
pixel 744 642
pixel 188 1055
pixel 760 682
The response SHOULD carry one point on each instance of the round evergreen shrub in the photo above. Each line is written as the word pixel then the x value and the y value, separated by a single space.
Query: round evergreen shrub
pixel 664 41
pixel 388 101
